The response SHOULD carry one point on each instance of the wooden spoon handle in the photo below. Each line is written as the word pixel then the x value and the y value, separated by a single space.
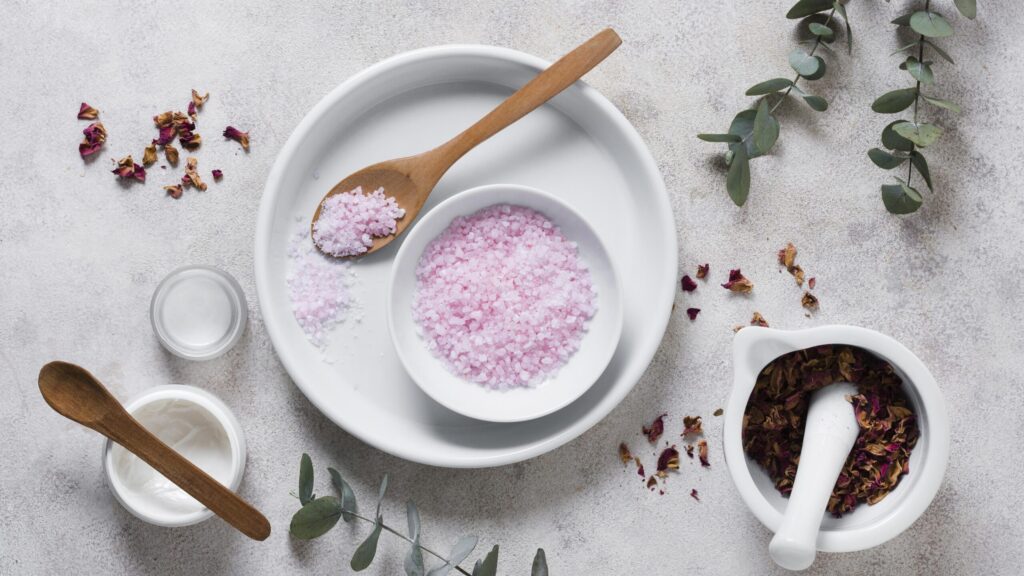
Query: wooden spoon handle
pixel 129 433
pixel 542 88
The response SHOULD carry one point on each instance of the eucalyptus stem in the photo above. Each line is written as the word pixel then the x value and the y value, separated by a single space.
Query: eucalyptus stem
pixel 917 95
pixel 817 42
pixel 403 537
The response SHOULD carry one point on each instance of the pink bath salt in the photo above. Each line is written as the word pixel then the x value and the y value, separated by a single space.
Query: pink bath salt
pixel 350 221
pixel 503 298
pixel 318 287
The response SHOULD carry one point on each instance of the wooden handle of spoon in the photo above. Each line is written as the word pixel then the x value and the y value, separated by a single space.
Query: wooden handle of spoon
pixel 542 88
pixel 128 432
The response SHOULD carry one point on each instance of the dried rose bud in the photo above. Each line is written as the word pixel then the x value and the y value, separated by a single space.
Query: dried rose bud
pixel 189 140
pixel 692 313
pixel 702 271
pixel 811 282
pixel 198 100
pixel 688 284
pixel 668 460
pixel 738 283
pixel 149 154
pixel 127 169
pixel 787 256
pixel 692 426
pixel 702 453
pixel 95 136
pixel 236 134
pixel 86 112
pixel 758 320
pixel 171 153
pixel 655 430
pixel 693 494
pixel 809 301
pixel 624 454
pixel 217 174
pixel 174 191
pixel 191 177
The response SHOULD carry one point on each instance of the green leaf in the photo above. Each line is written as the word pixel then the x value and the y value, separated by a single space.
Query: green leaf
pixel 769 86
pixel 884 160
pixel 816 102
pixel 413 560
pixel 540 564
pixel 968 8
pixel 895 101
pixel 462 549
pixel 316 518
pixel 903 20
pixel 366 551
pixel 805 64
pixel 838 7
pixel 907 47
pixel 719 137
pixel 821 31
pixel 900 198
pixel 305 479
pixel 766 128
pixel 737 183
pixel 412 516
pixel 921 71
pixel 946 104
pixel 921 165
pixel 893 141
pixel 940 51
pixel 807 7
pixel 383 491
pixel 348 497
pixel 930 24
pixel 923 134
pixel 743 126
pixel 489 565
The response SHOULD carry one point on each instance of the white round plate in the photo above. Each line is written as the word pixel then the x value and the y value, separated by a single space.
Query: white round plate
pixel 518 404
pixel 578 147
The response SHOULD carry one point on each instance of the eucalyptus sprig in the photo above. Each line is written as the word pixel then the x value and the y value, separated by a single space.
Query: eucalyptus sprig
pixel 904 139
pixel 319 514
pixel 753 132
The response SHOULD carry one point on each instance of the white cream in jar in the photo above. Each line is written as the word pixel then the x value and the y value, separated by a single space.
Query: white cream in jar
pixel 198 426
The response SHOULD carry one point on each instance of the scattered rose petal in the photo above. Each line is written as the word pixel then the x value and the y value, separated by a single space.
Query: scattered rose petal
pixel 798 274
pixel 198 100
pixel 809 301
pixel 689 450
pixel 787 256
pixel 694 495
pixel 164 119
pixel 95 137
pixel 174 191
pixel 624 454
pixel 236 134
pixel 718 412
pixel 811 282
pixel 692 313
pixel 688 284
pixel 640 469
pixel 692 426
pixel 127 169
pixel 86 112
pixel 171 153
pixel 738 283
pixel 149 154
pixel 702 271
pixel 217 174
pixel 652 483
pixel 166 136
pixel 702 453
pixel 192 110
pixel 191 177
pixel 758 320
pixel 655 430
pixel 188 139
pixel 668 460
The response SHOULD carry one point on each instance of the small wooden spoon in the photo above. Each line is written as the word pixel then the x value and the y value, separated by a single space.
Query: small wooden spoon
pixel 411 179
pixel 75 393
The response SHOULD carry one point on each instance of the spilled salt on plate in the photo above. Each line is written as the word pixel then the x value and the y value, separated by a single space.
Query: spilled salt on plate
pixel 319 288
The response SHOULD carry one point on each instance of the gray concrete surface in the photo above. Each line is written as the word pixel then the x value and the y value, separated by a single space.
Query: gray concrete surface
pixel 80 256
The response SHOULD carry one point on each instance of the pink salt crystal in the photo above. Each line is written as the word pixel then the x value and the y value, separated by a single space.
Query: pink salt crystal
pixel 318 287
pixel 350 221
pixel 502 297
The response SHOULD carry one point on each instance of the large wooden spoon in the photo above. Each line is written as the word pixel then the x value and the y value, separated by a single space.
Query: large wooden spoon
pixel 75 393
pixel 411 179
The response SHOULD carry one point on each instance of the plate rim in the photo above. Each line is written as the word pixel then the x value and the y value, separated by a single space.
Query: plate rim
pixel 646 349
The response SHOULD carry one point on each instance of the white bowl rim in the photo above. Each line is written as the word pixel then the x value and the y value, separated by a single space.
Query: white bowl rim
pixel 930 475
pixel 442 210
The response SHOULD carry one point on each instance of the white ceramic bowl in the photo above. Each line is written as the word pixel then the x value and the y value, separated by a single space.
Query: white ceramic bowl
pixel 866 526
pixel 477 401
pixel 138 505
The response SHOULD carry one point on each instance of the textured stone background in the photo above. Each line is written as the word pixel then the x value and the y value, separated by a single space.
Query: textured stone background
pixel 80 256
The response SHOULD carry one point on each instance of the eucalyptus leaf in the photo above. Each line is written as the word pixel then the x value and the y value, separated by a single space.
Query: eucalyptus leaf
pixel 462 549
pixel 412 516
pixel 903 20
pixel 719 137
pixel 381 493
pixel 807 7
pixel 348 497
pixel 907 47
pixel 743 126
pixel 816 102
pixel 414 559
pixel 540 564
pixel 489 565
pixel 968 8
pixel 305 479
pixel 737 182
pixel 804 64
pixel 921 71
pixel 930 24
pixel 838 7
pixel 895 101
pixel 884 160
pixel 921 165
pixel 366 551
pixel 922 134
pixel 821 31
pixel 893 141
pixel 769 86
pixel 946 104
pixel 820 72
pixel 766 128
pixel 940 51
pixel 316 518
pixel 900 198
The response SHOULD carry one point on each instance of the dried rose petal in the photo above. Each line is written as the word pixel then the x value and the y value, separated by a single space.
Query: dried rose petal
pixel 809 301
pixel 149 154
pixel 689 450
pixel 164 119
pixel 692 313
pixel 167 134
pixel 188 139
pixel 738 283
pixel 127 169
pixel 655 430
pixel 668 460
pixel 692 426
pixel 694 495
pixel 86 112
pixel 191 177
pixel 174 191
pixel 798 274
pixel 198 100
pixel 688 284
pixel 787 256
pixel 702 452
pixel 758 320
pixel 192 110
pixel 702 271
pixel 652 483
pixel 718 412
pixel 236 134
pixel 217 174
pixel 640 469
pixel 624 454
pixel 171 153
pixel 811 282
pixel 95 137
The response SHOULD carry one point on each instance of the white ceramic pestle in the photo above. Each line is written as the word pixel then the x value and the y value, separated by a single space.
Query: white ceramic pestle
pixel 829 434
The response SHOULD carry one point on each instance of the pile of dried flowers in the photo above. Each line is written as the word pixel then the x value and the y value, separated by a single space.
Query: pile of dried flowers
pixel 668 457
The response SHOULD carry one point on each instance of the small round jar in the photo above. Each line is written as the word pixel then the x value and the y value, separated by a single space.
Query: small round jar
pixel 198 426
pixel 198 312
